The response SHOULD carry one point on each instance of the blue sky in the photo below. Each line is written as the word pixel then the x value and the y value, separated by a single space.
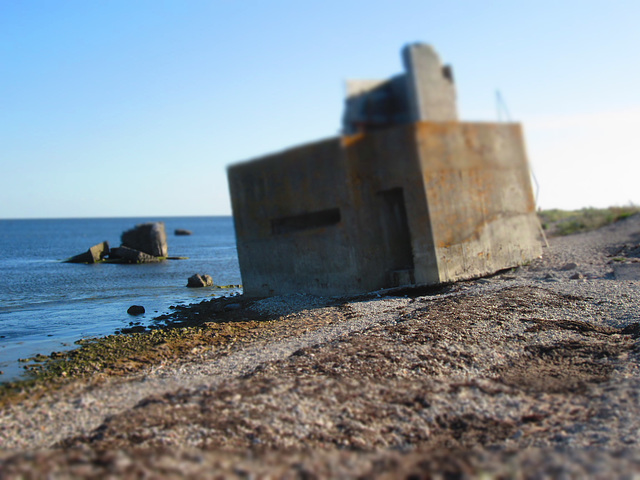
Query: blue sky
pixel 135 108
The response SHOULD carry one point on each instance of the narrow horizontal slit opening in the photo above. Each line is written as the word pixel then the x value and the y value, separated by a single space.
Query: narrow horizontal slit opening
pixel 306 221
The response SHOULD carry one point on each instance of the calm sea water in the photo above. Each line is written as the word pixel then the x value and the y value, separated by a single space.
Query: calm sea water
pixel 46 305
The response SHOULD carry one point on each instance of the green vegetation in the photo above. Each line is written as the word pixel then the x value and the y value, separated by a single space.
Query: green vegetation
pixel 122 354
pixel 566 222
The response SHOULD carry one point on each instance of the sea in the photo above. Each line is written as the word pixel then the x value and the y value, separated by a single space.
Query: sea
pixel 47 305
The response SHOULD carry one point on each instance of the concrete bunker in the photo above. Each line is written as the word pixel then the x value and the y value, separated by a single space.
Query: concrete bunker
pixel 408 195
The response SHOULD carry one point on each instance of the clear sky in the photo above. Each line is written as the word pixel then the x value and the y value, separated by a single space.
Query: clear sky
pixel 135 108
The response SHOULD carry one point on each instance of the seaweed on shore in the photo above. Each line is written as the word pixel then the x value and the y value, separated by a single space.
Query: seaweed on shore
pixel 213 325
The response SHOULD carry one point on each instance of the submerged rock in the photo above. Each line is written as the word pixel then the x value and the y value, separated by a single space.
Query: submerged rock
pixel 129 255
pixel 198 281
pixel 149 238
pixel 93 255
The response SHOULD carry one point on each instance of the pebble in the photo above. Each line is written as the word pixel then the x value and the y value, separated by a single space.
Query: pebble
pixel 569 266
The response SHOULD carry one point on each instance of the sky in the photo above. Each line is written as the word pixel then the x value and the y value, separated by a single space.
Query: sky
pixel 136 108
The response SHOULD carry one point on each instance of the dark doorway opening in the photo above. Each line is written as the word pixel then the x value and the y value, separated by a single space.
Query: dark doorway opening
pixel 396 236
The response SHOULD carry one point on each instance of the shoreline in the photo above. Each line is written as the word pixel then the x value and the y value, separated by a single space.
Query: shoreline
pixel 42 296
pixel 107 317
pixel 529 364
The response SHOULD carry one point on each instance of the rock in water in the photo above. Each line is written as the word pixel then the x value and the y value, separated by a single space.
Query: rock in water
pixel 93 255
pixel 197 281
pixel 182 231
pixel 149 238
pixel 136 310
pixel 129 255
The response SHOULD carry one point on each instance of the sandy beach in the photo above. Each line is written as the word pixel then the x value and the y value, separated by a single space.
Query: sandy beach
pixel 532 372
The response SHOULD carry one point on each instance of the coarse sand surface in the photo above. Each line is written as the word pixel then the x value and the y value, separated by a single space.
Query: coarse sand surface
pixel 530 373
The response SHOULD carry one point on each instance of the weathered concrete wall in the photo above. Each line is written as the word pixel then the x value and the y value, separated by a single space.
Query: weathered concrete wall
pixel 357 175
pixel 290 211
pixel 478 188
pixel 420 203
pixel 384 177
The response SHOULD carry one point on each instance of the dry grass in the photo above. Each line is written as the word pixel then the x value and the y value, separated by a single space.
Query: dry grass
pixel 567 222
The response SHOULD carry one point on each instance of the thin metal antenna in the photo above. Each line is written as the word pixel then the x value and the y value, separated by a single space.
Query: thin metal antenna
pixel 501 107
pixel 535 199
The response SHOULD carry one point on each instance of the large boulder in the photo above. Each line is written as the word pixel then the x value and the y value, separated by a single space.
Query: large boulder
pixel 129 255
pixel 198 280
pixel 149 238
pixel 93 255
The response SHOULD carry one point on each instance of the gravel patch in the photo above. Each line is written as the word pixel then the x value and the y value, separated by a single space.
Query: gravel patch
pixel 533 368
